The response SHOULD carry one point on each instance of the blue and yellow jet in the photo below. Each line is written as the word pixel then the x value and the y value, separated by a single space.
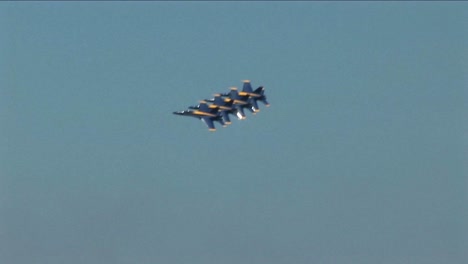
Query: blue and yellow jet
pixel 222 105
pixel 205 113
pixel 239 101
pixel 247 98
pixel 257 95
pixel 225 106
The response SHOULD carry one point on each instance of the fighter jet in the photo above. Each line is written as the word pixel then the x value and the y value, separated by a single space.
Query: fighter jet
pixel 222 112
pixel 257 95
pixel 222 105
pixel 240 100
pixel 225 106
pixel 206 114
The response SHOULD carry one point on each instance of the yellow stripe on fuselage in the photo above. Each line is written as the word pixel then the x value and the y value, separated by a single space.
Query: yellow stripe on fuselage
pixel 224 107
pixel 203 113
pixel 249 94
pixel 240 102
pixel 220 107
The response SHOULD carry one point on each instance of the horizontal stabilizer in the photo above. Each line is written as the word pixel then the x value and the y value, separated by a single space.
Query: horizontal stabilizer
pixel 264 100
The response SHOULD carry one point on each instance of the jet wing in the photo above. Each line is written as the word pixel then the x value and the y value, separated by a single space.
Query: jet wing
pixel 240 112
pixel 254 106
pixel 226 118
pixel 209 122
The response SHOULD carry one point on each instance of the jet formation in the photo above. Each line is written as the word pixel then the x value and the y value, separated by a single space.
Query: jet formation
pixel 221 106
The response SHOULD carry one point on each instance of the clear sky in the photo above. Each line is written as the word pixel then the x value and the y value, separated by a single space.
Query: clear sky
pixel 361 158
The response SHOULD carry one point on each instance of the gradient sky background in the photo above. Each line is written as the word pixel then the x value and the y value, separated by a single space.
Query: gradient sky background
pixel 361 157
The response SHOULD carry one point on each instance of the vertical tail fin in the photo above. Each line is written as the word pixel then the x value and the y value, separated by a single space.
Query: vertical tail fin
pixel 260 90
pixel 247 87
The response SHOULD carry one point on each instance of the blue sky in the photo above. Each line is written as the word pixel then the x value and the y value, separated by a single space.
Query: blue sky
pixel 361 157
